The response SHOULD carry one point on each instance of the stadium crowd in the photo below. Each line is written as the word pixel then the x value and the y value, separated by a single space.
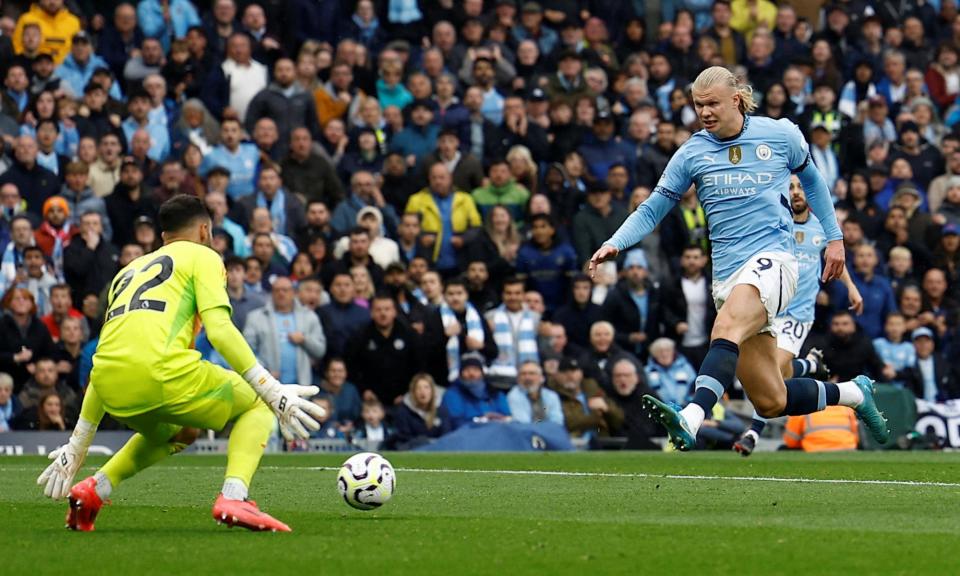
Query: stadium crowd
pixel 405 193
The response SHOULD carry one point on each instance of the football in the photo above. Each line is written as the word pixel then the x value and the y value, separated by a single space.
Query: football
pixel 366 481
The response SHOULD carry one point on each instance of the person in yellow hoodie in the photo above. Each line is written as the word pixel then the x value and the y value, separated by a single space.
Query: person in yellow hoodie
pixel 445 215
pixel 57 28
pixel 748 15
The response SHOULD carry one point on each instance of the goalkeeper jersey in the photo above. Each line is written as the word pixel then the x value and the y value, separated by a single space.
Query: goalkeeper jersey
pixel 145 355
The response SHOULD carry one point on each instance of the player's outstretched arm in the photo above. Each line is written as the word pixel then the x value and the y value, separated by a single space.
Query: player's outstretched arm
pixel 853 293
pixel 297 415
pixel 57 478
pixel 642 222
pixel 818 197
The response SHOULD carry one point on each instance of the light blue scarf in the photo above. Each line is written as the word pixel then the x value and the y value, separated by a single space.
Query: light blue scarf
pixel 474 330
pixel 278 212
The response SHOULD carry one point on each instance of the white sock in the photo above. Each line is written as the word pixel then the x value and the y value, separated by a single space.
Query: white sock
pixel 850 394
pixel 694 416
pixel 104 487
pixel 234 489
pixel 752 432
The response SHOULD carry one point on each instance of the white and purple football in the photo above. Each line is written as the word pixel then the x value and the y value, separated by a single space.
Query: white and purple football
pixel 366 481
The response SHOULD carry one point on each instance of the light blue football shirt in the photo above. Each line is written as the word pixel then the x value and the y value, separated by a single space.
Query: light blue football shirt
pixel 810 244
pixel 743 184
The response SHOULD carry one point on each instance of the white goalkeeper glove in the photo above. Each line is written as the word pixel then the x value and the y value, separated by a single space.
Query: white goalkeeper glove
pixel 57 478
pixel 298 416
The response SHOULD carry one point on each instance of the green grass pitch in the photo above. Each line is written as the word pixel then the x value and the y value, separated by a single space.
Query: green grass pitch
pixel 624 514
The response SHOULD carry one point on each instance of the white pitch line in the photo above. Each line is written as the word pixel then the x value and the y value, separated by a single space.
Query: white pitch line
pixel 648 476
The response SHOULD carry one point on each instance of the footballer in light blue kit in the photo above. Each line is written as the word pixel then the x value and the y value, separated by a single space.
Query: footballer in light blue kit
pixel 741 167
pixel 793 325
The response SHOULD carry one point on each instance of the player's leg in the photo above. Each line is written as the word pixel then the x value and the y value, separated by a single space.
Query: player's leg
pixel 741 314
pixel 799 396
pixel 786 356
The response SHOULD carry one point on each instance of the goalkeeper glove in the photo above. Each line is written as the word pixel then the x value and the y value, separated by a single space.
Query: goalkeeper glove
pixel 57 478
pixel 289 402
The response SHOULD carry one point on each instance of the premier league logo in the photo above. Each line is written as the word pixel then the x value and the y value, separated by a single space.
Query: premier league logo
pixel 735 154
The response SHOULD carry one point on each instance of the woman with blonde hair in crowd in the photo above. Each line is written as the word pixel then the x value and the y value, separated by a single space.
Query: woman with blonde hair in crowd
pixel 420 417
pixel 523 168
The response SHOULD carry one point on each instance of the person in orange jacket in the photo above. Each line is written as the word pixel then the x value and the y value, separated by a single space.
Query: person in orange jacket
pixel 832 429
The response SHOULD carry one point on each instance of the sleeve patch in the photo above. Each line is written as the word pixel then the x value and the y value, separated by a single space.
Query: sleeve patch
pixel 668 193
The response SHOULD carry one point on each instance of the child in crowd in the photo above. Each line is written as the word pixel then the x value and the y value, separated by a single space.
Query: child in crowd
pixel 896 353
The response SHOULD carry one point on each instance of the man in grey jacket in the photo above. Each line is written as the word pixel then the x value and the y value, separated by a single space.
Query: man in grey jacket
pixel 286 102
pixel 286 337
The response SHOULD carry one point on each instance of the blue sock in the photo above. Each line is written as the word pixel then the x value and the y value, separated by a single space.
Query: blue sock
pixel 833 393
pixel 717 372
pixel 758 423
pixel 805 396
pixel 801 367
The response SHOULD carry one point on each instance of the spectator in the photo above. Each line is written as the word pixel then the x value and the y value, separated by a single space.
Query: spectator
pixel 877 295
pixel 496 243
pixel 48 414
pixel 586 411
pixel 286 210
pixel 547 262
pixel 419 138
pixel 372 427
pixel 34 182
pixel 285 101
pixel 45 380
pixel 530 401
pixel 89 260
pixel 286 337
pixel 105 172
pixel 68 351
pixel 166 20
pixel 240 159
pixel 829 430
pixel 445 215
pixel 502 189
pixel 270 250
pixel 21 238
pixel 925 160
pixel 515 330
pixel 596 222
pixel 580 313
pixel 691 312
pixel 342 318
pixel 9 406
pixel 342 392
pixel 384 354
pixel 77 68
pixel 36 278
pixel 936 302
pixel 80 198
pixel 634 306
pixel 61 308
pixel 148 62
pixel 243 76
pixel 933 378
pixel 420 416
pixel 57 28
pixel 568 83
pixel 364 192
pixel 383 251
pixel 598 360
pixel 482 295
pixel 669 374
pixel 120 38
pixel 454 329
pixel 466 168
pixel 128 201
pixel 24 337
pixel 242 301
pixel 848 351
pixel 470 398
pixel 627 394
pixel 896 353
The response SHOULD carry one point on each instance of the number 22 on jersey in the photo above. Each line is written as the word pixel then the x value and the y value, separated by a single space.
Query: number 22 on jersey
pixel 155 273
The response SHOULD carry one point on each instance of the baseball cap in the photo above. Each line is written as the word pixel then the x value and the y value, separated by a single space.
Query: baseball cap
pixel 531 8
pixel 129 161
pixel 909 126
pixel 218 171
pixel 143 220
pixel 597 187
pixel 81 37
pixel 421 103
pixel 568 364
pixel 471 359
pixel 538 95
pixel 906 188
pixel 603 116
pixel 922 332
pixel 950 229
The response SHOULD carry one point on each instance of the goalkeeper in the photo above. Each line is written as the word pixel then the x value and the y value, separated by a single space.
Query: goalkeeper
pixel 147 376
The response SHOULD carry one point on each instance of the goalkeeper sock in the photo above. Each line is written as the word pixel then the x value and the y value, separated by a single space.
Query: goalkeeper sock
pixel 104 486
pixel 247 440
pixel 234 489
